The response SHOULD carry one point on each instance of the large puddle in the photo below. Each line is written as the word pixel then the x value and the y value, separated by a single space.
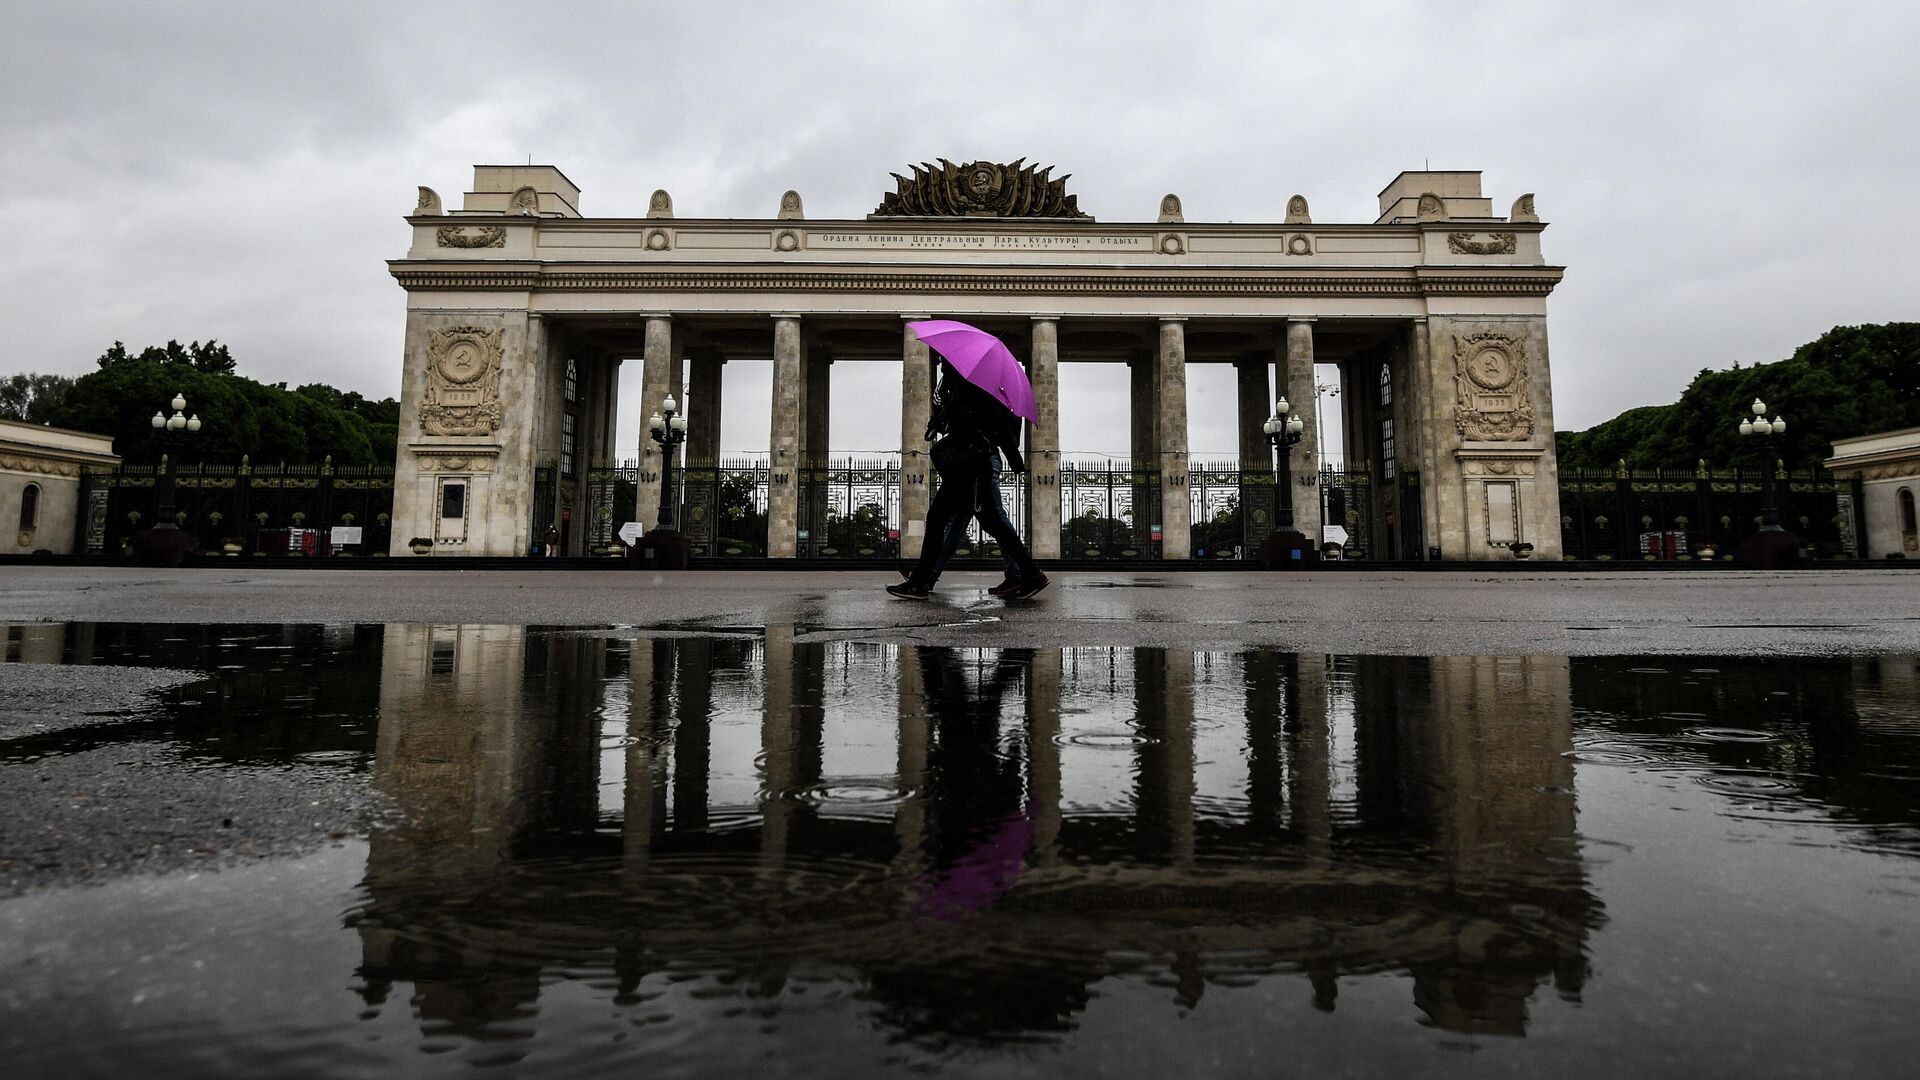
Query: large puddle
pixel 598 853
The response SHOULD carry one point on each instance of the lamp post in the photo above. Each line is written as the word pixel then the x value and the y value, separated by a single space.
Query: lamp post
pixel 1759 427
pixel 668 427
pixel 170 429
pixel 1283 432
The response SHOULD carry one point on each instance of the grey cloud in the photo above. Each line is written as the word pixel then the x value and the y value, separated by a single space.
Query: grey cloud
pixel 1721 188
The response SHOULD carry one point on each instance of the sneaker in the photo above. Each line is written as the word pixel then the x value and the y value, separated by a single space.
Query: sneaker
pixel 907 590
pixel 1005 588
pixel 1028 588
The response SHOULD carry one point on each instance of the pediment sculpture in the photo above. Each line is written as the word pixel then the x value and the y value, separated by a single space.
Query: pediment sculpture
pixel 981 189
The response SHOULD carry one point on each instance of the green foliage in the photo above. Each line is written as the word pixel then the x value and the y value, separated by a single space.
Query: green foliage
pixel 742 525
pixel 239 416
pixel 866 527
pixel 33 397
pixel 1853 380
pixel 1094 531
pixel 1221 531
pixel 211 357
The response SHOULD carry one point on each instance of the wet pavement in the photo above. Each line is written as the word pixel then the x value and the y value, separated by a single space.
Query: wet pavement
pixel 456 849
pixel 1720 612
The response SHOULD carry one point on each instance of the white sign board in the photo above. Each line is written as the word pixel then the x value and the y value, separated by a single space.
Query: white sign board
pixel 631 532
pixel 346 534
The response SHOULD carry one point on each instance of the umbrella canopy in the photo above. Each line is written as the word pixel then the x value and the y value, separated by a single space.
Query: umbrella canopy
pixel 982 360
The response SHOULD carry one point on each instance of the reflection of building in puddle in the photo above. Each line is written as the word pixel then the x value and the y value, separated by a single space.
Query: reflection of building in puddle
pixel 980 835
pixel 41 643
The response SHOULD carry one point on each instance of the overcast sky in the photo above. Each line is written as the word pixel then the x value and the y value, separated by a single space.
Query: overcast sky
pixel 1723 182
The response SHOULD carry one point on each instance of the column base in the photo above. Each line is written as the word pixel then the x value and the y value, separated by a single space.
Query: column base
pixel 661 549
pixel 165 545
pixel 1771 549
pixel 1286 549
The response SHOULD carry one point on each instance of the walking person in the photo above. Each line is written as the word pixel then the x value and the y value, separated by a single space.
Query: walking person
pixel 973 429
pixel 989 503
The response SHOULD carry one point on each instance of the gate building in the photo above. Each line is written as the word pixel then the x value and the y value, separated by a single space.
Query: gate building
pixel 521 311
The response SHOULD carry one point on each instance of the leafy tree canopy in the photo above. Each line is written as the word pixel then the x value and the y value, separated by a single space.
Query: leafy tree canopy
pixel 239 416
pixel 33 397
pixel 1853 380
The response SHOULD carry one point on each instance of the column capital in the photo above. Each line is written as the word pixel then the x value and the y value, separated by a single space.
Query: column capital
pixel 1291 319
pixel 778 315
pixel 1044 318
pixel 1173 319
pixel 1418 320
pixel 663 316
pixel 914 316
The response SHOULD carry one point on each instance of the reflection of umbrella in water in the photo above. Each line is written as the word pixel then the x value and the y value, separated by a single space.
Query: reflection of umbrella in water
pixel 981 359
pixel 979 877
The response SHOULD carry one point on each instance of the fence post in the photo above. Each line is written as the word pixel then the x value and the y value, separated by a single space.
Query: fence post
pixel 1623 508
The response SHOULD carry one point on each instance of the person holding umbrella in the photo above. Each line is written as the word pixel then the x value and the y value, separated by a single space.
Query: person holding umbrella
pixel 983 393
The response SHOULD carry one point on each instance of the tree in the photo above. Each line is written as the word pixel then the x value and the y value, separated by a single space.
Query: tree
pixel 1852 380
pixel 212 357
pixel 32 397
pixel 240 416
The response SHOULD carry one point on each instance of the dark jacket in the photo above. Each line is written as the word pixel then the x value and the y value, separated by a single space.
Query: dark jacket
pixel 964 411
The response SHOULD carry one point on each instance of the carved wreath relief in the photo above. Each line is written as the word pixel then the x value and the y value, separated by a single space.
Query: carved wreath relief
pixel 453 236
pixel 1461 243
pixel 463 382
pixel 1490 388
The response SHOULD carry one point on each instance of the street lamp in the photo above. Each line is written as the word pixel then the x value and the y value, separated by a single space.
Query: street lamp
pixel 169 429
pixel 668 427
pixel 1283 433
pixel 1759 427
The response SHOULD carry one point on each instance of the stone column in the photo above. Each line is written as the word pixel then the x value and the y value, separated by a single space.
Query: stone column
pixel 655 373
pixel 693 735
pixel 777 745
pixel 1258 498
pixel 1143 446
pixel 910 814
pixel 636 826
pixel 1309 755
pixel 1294 378
pixel 1449 530
pixel 1163 778
pixel 1043 441
pixel 1419 418
pixel 1170 385
pixel 783 502
pixel 703 408
pixel 916 471
pixel 1043 754
pixel 815 410
pixel 1256 455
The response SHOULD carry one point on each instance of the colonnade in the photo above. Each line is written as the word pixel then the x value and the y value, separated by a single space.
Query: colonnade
pixel 1157 423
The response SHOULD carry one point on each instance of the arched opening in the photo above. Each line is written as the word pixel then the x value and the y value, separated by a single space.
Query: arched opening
pixel 30 508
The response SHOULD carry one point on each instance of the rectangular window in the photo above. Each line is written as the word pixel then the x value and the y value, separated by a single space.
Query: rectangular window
pixel 566 444
pixel 1388 461
pixel 1503 517
pixel 453 501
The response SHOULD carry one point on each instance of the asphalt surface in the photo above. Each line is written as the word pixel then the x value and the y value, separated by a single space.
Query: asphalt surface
pixel 90 791
pixel 87 794
pixel 1807 612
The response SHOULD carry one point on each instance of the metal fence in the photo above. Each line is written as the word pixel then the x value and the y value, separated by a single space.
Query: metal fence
pixel 1626 513
pixel 244 508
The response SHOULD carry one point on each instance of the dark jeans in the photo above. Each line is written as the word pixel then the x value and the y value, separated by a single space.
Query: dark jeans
pixel 952 505
pixel 990 504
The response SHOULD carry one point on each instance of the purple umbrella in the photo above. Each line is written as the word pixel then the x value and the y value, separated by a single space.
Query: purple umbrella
pixel 982 360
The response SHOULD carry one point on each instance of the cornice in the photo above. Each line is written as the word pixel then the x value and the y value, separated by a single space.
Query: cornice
pixel 1418 281
pixel 982 224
